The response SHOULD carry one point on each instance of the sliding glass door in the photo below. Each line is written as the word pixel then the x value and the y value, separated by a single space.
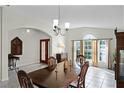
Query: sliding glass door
pixel 87 50
pixel 103 53
pixel 77 49
pixel 95 51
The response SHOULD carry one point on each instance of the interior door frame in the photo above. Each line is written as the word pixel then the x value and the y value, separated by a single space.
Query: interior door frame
pixel 47 48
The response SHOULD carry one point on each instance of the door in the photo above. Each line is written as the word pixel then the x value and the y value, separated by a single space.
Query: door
pixel 96 51
pixel 88 50
pixel 103 46
pixel 44 50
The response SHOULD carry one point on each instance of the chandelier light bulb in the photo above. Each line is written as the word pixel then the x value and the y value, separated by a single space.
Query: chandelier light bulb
pixel 67 25
pixel 55 22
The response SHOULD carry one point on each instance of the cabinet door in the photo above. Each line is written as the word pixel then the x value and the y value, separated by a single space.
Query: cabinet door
pixel 121 65
pixel 44 50
pixel 120 59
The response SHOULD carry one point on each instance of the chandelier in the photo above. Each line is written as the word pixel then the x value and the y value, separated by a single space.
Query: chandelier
pixel 56 25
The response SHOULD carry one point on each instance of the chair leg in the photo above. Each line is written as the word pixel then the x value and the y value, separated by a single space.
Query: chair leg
pixel 84 84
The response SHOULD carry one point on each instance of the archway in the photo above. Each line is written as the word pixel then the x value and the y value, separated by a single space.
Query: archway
pixel 31 44
pixel 95 50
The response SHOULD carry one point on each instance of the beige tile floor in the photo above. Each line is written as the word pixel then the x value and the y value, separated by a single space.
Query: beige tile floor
pixel 95 78
pixel 100 78
pixel 13 80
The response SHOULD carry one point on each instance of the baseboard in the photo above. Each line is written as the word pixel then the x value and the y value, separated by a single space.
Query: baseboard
pixel 5 79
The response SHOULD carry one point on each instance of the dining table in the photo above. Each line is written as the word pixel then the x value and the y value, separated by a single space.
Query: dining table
pixel 59 77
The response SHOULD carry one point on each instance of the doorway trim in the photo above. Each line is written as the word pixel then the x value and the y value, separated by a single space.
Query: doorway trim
pixel 44 50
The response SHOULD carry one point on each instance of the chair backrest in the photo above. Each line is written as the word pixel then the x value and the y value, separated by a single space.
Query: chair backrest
pixel 51 62
pixel 24 80
pixel 81 79
pixel 81 59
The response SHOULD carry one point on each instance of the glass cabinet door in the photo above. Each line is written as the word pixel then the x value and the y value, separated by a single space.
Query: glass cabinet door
pixel 121 65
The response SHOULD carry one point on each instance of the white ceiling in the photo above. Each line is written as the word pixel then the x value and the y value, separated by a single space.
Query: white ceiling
pixel 99 16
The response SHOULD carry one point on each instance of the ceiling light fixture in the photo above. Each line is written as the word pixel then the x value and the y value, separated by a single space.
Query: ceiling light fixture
pixel 28 30
pixel 56 25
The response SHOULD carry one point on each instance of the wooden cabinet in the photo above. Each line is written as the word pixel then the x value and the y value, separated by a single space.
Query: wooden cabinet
pixel 61 57
pixel 119 71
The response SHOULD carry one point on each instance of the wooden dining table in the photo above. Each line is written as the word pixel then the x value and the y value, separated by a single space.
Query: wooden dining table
pixel 57 78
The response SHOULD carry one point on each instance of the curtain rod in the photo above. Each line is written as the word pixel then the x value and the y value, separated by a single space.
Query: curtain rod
pixel 94 39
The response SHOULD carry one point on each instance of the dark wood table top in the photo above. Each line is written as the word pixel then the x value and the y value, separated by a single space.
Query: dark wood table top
pixel 57 78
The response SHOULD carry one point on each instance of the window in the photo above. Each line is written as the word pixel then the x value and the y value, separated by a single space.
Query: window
pixel 102 50
pixel 88 49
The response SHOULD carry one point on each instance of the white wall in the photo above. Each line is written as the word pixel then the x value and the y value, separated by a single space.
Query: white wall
pixel 79 33
pixel 0 43
pixel 4 64
pixel 30 17
pixel 31 45
pixel 19 17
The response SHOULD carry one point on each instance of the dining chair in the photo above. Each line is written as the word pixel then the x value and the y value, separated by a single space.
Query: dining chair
pixel 81 59
pixel 24 80
pixel 80 82
pixel 51 63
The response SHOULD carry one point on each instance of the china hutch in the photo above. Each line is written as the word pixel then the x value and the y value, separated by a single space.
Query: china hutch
pixel 119 69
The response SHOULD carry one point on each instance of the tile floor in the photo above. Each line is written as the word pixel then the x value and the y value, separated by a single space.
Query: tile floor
pixel 13 80
pixel 95 78
pixel 100 78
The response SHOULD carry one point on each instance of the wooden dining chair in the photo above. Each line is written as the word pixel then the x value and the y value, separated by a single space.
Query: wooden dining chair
pixel 51 63
pixel 24 80
pixel 81 59
pixel 80 82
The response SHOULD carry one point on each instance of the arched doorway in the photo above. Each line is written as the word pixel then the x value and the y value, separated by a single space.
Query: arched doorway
pixel 31 44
